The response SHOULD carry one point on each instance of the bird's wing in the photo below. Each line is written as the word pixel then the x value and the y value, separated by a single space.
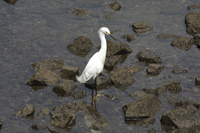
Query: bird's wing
pixel 93 68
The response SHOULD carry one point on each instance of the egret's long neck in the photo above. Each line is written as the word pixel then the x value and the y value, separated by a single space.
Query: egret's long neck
pixel 103 49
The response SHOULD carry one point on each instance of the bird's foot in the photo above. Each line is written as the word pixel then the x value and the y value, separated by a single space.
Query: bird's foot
pixel 97 96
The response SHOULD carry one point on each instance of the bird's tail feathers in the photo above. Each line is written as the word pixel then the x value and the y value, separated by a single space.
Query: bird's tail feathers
pixel 79 79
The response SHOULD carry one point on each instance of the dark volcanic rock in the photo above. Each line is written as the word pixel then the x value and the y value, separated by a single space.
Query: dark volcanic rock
pixel 154 69
pixel 156 91
pixel 103 83
pixel 49 64
pixel 190 7
pixel 79 94
pixel 68 72
pixel 179 71
pixel 173 87
pixel 137 94
pixel 43 112
pixel 12 2
pixel 26 111
pixel 100 123
pixel 148 57
pixel 181 117
pixel 65 88
pixel 116 48
pixel 193 129
pixel 81 46
pixel 196 39
pixel 192 21
pixel 145 107
pixel 152 130
pixel 130 37
pixel 112 61
pixel 121 76
pixel 115 6
pixel 43 77
pixel 0 124
pixel 183 43
pixel 134 69
pixel 166 36
pixel 80 12
pixel 197 80
pixel 141 27
pixel 38 127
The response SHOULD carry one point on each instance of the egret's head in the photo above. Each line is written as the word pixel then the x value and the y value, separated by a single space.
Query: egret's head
pixel 106 31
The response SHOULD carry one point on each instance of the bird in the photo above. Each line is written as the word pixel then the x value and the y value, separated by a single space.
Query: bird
pixel 96 63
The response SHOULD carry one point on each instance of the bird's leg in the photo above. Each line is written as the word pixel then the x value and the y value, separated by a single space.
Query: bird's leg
pixel 92 98
pixel 95 87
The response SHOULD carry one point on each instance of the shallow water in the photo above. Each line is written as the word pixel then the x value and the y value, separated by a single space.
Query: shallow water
pixel 34 30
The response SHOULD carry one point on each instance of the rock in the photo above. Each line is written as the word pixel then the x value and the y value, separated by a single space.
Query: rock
pixel 152 130
pixel 137 94
pixel 49 64
pixel 190 7
pixel 68 72
pixel 80 12
pixel 79 94
pixel 183 43
pixel 38 127
pixel 196 39
pixel 145 107
pixel 154 69
pixel 194 129
pixel 181 117
pixel 81 46
pixel 0 124
pixel 65 88
pixel 121 76
pixel 109 15
pixel 103 83
pixel 12 2
pixel 43 77
pixel 179 71
pixel 148 57
pixel 193 23
pixel 166 36
pixel 111 97
pixel 183 103
pixel 100 123
pixel 197 80
pixel 134 69
pixel 112 61
pixel 141 27
pixel 130 37
pixel 115 6
pixel 26 111
pixel 158 91
pixel 116 48
pixel 43 112
pixel 173 87
pixel 142 123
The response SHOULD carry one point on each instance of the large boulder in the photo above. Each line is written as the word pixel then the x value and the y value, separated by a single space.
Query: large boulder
pixel 145 107
pixel 112 61
pixel 65 88
pixel 80 12
pixel 43 77
pixel 183 43
pixel 49 64
pixel 181 117
pixel 193 23
pixel 141 27
pixel 154 69
pixel 148 57
pixel 26 111
pixel 115 6
pixel 68 72
pixel 134 69
pixel 81 46
pixel 130 37
pixel 121 76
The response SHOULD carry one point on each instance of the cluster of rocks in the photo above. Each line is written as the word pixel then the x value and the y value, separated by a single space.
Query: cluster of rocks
pixel 64 117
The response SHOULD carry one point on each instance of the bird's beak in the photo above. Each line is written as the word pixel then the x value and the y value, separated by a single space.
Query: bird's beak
pixel 112 37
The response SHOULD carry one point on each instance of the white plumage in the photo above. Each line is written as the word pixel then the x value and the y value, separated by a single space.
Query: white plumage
pixel 96 63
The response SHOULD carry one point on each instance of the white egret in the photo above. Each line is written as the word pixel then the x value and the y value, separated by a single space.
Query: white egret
pixel 96 63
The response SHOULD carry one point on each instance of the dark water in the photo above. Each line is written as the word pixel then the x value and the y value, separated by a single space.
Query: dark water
pixel 34 30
